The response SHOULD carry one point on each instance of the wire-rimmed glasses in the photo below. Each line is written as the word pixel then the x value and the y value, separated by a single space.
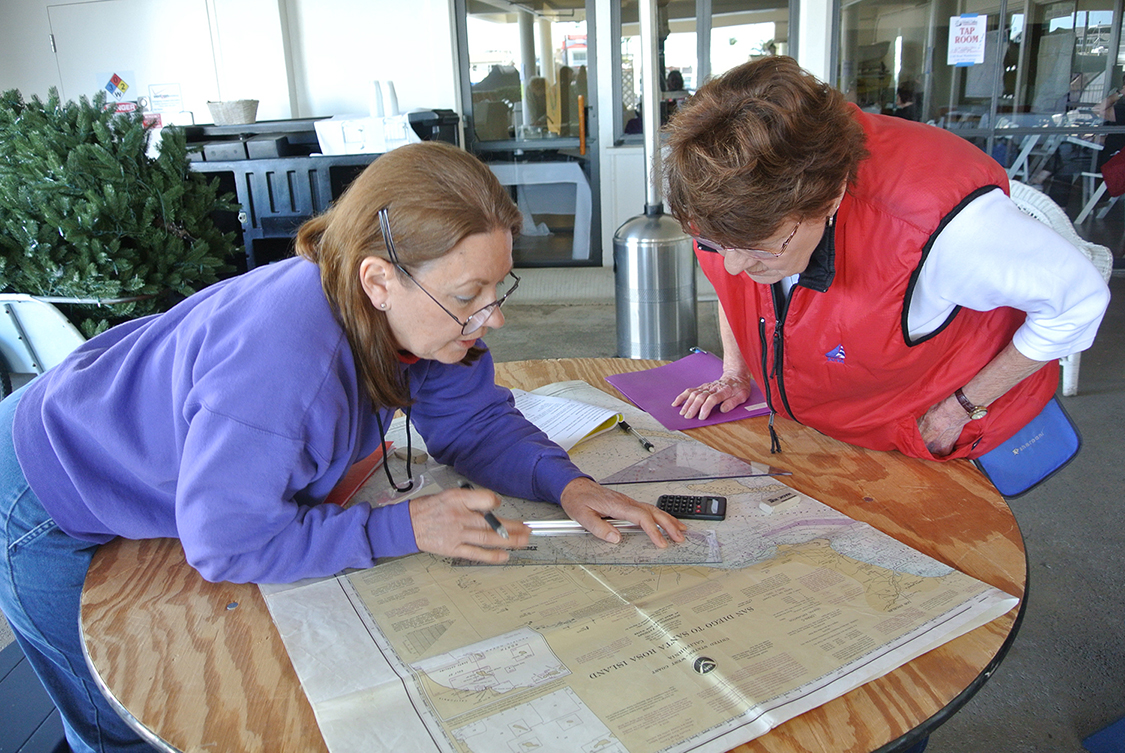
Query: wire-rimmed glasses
pixel 711 246
pixel 477 319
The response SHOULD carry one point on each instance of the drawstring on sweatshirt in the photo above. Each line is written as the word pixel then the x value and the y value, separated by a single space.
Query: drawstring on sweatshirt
pixel 409 454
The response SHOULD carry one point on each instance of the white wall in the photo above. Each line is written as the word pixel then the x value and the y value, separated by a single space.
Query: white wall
pixel 340 46
pixel 814 21
pixel 242 37
pixel 335 48
pixel 26 60
pixel 249 46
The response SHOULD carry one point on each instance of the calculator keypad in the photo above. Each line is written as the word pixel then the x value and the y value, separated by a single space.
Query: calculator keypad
pixel 688 506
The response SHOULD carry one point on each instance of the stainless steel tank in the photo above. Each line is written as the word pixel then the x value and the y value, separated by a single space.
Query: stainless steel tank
pixel 655 290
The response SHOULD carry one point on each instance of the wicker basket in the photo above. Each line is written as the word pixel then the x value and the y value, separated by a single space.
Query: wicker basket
pixel 234 112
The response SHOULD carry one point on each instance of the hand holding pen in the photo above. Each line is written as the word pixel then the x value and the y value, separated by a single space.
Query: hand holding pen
pixel 493 522
pixel 454 523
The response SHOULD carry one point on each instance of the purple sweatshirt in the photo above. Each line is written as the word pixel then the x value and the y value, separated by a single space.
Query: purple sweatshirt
pixel 226 420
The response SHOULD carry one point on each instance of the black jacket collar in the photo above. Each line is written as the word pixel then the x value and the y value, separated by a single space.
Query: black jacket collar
pixel 820 272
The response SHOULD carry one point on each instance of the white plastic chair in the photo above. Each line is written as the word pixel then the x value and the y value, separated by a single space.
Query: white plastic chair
pixel 1095 197
pixel 34 336
pixel 1040 206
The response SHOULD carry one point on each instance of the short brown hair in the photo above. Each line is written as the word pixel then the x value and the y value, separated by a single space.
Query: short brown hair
pixel 437 195
pixel 764 142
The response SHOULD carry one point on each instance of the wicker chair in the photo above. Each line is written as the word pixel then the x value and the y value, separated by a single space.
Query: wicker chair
pixel 1040 206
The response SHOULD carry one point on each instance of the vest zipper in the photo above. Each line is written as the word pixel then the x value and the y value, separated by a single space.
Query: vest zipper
pixel 775 443
pixel 781 312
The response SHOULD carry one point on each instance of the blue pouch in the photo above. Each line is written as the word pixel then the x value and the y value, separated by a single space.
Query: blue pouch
pixel 1034 453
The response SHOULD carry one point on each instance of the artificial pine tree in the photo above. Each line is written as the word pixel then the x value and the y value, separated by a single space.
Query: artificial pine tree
pixel 85 213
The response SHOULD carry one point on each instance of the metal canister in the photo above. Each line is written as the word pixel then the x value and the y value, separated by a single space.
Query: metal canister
pixel 655 290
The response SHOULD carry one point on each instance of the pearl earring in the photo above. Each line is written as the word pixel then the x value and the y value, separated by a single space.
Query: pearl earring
pixel 383 306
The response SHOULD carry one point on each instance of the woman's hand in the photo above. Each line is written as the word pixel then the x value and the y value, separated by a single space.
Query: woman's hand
pixel 941 425
pixel 588 502
pixel 727 392
pixel 451 523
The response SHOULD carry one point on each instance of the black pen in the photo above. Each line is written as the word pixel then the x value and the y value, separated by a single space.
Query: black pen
pixel 488 516
pixel 625 427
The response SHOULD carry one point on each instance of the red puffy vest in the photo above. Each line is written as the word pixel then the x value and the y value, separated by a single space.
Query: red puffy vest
pixel 840 361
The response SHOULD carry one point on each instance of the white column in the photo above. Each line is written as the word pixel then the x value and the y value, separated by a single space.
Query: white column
pixel 546 50
pixel 814 23
pixel 527 65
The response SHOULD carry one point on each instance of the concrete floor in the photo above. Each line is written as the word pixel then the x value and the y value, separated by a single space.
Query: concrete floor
pixel 1064 677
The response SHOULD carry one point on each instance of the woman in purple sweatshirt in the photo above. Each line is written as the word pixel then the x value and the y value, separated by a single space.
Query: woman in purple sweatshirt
pixel 225 421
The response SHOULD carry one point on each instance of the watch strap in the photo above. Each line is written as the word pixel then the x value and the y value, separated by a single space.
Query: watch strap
pixel 974 411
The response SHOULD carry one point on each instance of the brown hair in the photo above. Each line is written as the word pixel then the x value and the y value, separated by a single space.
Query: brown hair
pixel 764 142
pixel 436 195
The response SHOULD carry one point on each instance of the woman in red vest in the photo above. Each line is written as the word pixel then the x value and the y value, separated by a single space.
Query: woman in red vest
pixel 873 275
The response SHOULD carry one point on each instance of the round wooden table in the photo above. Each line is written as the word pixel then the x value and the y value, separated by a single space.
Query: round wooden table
pixel 198 666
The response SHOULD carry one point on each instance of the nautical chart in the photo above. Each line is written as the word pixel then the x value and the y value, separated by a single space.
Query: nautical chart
pixel 635 548
pixel 556 723
pixel 663 658
pixel 520 659
pixel 750 535
pixel 682 461
pixel 604 651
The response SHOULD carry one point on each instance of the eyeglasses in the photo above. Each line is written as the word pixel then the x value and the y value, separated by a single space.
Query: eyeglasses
pixel 477 319
pixel 706 245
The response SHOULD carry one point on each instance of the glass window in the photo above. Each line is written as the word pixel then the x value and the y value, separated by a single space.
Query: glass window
pixel 882 57
pixel 528 93
pixel 1059 58
pixel 735 40
pixel 735 31
pixel 527 69
pixel 1027 82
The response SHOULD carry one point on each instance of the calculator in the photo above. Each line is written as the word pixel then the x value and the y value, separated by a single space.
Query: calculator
pixel 710 507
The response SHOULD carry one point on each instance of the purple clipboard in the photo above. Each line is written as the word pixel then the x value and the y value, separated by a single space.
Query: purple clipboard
pixel 653 390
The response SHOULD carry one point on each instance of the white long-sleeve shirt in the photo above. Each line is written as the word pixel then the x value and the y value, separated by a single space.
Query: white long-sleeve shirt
pixel 991 255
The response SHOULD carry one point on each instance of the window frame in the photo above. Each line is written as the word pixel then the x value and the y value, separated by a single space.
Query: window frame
pixel 703 28
pixel 992 131
pixel 477 145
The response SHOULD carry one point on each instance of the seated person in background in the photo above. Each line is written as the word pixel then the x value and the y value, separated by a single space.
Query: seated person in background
pixel 873 275
pixel 633 120
pixel 908 103
pixel 675 83
pixel 673 95
pixel 1112 110
pixel 226 421
pixel 537 101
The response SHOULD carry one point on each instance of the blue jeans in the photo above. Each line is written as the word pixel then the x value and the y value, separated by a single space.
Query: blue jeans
pixel 41 574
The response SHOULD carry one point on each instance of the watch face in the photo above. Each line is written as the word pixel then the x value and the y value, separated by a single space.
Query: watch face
pixel 975 411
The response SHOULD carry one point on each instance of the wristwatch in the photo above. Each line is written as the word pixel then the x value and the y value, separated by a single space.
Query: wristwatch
pixel 975 411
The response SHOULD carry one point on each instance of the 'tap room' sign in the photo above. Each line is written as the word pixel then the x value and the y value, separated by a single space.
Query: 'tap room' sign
pixel 966 39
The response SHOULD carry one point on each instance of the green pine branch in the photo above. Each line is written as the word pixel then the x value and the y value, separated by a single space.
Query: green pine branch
pixel 86 213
